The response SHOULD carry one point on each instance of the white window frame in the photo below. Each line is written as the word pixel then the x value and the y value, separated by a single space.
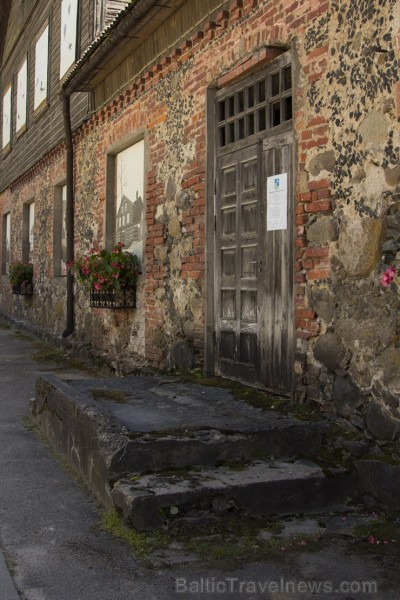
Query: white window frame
pixel 22 97
pixel 41 68
pixel 7 117
pixel 68 34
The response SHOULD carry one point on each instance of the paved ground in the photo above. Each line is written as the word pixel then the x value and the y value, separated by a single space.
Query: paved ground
pixel 55 549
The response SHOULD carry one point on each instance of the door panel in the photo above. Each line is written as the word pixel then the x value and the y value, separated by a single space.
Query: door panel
pixel 237 260
pixel 254 268
pixel 277 294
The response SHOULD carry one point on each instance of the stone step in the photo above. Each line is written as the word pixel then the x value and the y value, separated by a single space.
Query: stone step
pixel 173 424
pixel 185 448
pixel 260 489
pixel 168 446
pixel 161 427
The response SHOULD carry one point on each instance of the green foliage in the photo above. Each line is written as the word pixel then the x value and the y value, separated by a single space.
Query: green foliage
pixel 20 273
pixel 105 269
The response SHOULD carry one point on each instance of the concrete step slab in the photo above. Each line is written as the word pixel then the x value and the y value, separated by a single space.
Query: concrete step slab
pixel 155 429
pixel 260 489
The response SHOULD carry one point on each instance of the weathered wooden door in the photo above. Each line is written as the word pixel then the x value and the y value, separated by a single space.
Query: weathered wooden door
pixel 277 336
pixel 238 263
pixel 253 262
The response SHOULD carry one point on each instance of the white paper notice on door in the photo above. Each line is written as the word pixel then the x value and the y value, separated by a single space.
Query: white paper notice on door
pixel 277 199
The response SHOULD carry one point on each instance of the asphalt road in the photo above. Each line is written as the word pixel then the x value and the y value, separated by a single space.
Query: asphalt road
pixel 48 524
pixel 55 549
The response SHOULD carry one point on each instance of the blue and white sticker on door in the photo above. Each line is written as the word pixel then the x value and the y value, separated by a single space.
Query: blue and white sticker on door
pixel 277 202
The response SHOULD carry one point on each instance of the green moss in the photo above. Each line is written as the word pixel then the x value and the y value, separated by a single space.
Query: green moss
pixel 382 528
pixel 256 397
pixel 58 359
pixel 118 396
pixel 140 544
pixel 231 539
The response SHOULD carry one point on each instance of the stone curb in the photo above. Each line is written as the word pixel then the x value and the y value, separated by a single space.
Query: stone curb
pixel 7 587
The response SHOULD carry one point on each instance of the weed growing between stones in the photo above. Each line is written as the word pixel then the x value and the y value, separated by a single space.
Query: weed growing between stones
pixel 58 359
pixel 228 539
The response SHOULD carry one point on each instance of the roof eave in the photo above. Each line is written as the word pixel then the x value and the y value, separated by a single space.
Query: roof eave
pixel 105 45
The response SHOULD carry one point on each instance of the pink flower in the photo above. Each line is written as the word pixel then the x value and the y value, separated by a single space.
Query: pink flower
pixel 97 285
pixel 388 276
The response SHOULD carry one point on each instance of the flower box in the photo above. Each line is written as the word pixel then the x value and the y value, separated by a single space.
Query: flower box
pixel 23 289
pixel 124 297
pixel 109 276
pixel 20 276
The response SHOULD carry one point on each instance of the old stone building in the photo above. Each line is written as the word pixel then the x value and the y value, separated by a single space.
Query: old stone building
pixel 262 140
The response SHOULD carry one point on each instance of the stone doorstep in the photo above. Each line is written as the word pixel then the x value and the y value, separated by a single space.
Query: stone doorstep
pixel 261 489
pixel 99 445
pixel 189 448
pixel 104 451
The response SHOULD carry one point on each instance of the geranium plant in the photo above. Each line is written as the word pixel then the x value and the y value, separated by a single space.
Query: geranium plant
pixel 20 273
pixel 103 270
pixel 391 275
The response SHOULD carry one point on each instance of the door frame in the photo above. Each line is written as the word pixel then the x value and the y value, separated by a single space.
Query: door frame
pixel 211 165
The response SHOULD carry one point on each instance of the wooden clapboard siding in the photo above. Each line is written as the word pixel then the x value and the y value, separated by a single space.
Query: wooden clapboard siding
pixel 167 32
pixel 45 128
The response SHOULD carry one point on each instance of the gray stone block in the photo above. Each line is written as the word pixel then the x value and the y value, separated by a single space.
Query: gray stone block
pixel 381 422
pixel 381 480
pixel 325 229
pixel 329 351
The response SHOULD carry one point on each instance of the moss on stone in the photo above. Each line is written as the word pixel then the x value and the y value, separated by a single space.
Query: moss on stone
pixel 118 396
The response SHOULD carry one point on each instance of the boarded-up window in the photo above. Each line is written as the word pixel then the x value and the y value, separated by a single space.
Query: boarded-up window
pixel 41 68
pixel 28 231
pixel 22 95
pixel 129 201
pixel 6 242
pixel 69 16
pixel 60 231
pixel 7 118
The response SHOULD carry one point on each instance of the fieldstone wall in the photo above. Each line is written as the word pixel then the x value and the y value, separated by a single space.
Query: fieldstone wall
pixel 352 365
pixel 46 308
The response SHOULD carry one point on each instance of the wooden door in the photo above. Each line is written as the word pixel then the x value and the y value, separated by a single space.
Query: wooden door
pixel 238 216
pixel 277 335
pixel 252 263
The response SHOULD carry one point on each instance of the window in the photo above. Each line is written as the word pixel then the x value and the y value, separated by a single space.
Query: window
pixel 6 242
pixel 69 20
pixel 105 13
pixel 28 231
pixel 60 231
pixel 22 96
pixel 7 118
pixel 41 68
pixel 129 199
pixel 99 16
pixel 263 103
pixel 125 198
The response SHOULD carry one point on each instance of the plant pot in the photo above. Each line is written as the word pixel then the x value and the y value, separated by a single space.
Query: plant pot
pixel 113 298
pixel 23 289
